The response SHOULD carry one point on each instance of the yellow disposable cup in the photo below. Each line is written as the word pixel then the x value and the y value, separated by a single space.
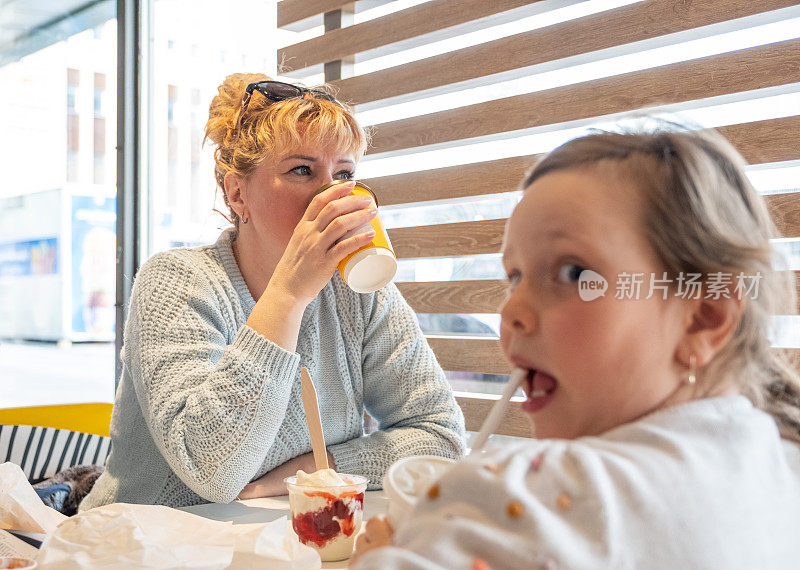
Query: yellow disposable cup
pixel 374 265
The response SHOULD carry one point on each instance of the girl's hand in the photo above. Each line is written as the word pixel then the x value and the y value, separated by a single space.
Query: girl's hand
pixel 313 253
pixel 377 534
pixel 271 484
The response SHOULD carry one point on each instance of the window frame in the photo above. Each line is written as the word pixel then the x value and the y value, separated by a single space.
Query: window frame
pixel 133 26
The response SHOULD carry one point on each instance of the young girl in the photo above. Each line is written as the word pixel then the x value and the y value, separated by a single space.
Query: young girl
pixel 659 408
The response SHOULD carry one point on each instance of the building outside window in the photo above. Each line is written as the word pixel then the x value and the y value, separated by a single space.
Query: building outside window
pixel 172 147
pixel 58 210
pixel 196 121
pixel 73 124
pixel 99 128
pixel 58 204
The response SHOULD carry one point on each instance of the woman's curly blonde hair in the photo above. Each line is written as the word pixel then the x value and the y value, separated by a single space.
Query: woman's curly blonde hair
pixel 270 128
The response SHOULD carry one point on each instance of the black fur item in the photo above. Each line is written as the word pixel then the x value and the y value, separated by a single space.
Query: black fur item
pixel 80 479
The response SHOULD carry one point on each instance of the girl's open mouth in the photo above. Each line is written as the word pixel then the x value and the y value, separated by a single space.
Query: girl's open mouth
pixel 540 388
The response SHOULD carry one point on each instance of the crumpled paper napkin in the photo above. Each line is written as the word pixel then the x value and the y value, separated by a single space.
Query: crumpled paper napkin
pixel 20 506
pixel 123 536
pixel 127 536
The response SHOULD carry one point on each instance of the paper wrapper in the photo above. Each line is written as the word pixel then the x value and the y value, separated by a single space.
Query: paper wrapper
pixel 20 506
pixel 274 544
pixel 145 536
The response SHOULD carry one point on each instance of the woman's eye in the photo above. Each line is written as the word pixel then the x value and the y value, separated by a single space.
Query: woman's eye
pixel 343 175
pixel 570 272
pixel 302 170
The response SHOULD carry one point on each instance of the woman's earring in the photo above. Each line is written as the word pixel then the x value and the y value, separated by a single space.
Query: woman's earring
pixel 244 219
pixel 692 378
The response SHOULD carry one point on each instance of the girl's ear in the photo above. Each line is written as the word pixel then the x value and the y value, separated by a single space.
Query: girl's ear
pixel 710 324
pixel 234 190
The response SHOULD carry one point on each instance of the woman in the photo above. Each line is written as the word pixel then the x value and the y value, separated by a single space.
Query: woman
pixel 209 407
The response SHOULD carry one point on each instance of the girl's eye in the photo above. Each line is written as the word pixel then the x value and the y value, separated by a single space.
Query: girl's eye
pixel 512 279
pixel 570 272
pixel 302 170
pixel 343 175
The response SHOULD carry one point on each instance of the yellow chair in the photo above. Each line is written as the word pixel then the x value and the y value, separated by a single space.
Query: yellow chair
pixel 93 418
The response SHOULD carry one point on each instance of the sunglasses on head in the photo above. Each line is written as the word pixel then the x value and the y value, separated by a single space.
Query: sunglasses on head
pixel 278 91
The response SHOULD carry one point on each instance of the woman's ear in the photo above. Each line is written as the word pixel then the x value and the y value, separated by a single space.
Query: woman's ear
pixel 710 324
pixel 234 190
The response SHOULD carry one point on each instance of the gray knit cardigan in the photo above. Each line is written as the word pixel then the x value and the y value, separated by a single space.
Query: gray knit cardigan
pixel 206 404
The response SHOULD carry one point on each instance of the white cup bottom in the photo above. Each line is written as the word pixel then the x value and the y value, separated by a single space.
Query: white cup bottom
pixel 370 269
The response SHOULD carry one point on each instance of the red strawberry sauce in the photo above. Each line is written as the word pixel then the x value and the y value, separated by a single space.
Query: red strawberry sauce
pixel 324 524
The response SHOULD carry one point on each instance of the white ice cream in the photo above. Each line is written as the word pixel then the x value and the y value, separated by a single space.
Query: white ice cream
pixel 321 478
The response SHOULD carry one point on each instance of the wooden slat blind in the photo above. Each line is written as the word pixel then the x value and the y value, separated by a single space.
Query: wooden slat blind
pixel 734 75
pixel 477 407
pixel 744 70
pixel 624 25
pixel 422 19
pixel 797 287
pixel 474 296
pixel 785 212
pixel 470 355
pixel 773 140
pixel 486 236
pixel 465 354
pixel 291 11
pixel 464 238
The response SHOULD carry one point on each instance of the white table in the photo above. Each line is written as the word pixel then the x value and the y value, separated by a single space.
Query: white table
pixel 269 509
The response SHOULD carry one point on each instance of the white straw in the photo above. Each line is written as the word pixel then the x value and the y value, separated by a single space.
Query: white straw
pixel 494 417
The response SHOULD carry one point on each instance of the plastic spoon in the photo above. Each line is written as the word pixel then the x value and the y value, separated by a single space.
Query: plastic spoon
pixel 494 417
pixel 311 407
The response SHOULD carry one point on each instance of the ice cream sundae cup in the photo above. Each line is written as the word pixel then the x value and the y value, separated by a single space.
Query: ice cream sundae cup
pixel 327 509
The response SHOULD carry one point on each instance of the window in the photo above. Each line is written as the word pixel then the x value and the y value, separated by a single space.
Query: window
pixel 57 212
pixel 183 195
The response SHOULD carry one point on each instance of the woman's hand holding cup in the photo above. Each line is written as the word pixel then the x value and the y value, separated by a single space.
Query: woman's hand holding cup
pixel 316 246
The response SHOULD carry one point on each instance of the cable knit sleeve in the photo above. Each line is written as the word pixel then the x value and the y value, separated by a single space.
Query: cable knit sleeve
pixel 213 397
pixel 405 390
